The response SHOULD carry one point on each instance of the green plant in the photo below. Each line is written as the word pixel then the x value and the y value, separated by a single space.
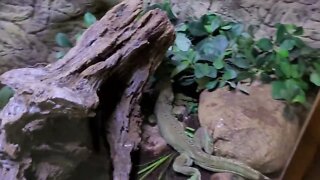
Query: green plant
pixel 89 19
pixel 206 52
pixel 189 132
pixel 214 53
pixel 153 165
pixel 192 107
pixel 287 62
pixel 62 39
pixel 165 6
pixel 5 94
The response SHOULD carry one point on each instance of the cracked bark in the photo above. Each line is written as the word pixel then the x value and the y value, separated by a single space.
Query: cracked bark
pixel 117 54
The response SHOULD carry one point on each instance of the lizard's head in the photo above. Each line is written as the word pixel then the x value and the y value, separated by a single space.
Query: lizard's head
pixel 168 94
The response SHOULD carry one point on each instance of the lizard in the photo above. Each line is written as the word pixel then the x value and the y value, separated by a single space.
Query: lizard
pixel 195 150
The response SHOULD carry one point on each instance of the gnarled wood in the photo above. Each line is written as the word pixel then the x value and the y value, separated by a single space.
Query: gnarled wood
pixel 44 125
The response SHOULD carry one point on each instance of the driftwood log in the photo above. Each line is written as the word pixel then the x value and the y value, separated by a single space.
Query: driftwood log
pixel 44 127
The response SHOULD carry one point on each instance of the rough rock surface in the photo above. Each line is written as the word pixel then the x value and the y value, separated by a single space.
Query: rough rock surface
pixel 151 140
pixel 254 129
pixel 265 13
pixel 28 28
pixel 225 176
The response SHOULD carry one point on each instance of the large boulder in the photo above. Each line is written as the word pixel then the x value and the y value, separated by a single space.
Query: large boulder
pixel 255 129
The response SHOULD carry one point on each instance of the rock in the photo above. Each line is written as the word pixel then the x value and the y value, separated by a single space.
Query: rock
pixel 255 129
pixel 264 14
pixel 28 28
pixel 225 176
pixel 152 141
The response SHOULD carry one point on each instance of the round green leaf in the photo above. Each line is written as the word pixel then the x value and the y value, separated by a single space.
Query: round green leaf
pixel 5 94
pixel 317 66
pixel 62 40
pixel 315 78
pixel 222 83
pixel 201 70
pixel 196 28
pixel 300 98
pixel 89 19
pixel 237 29
pixel 288 44
pixel 285 68
pixel 229 74
pixel 266 78
pixel 240 62
pixel 245 41
pixel 293 29
pixel 281 33
pixel 245 75
pixel 60 54
pixel 215 24
pixel 227 27
pixel 182 42
pixel 213 72
pixel 193 56
pixel 277 88
pixel 299 31
pixel 302 84
pixel 292 89
pixel 265 44
pixel 202 82
pixel 78 36
pixel 167 8
pixel 181 67
pixel 299 43
pixel 211 85
pixel 181 27
pixel 263 59
pixel 179 55
pixel 292 84
pixel 295 73
pixel 212 47
pixel 218 63
pixel 283 53
pixel 208 28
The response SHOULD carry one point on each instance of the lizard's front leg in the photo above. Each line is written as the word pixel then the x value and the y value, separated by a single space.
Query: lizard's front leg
pixel 203 140
pixel 182 165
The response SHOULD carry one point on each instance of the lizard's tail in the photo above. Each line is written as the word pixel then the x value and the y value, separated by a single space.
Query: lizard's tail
pixel 221 164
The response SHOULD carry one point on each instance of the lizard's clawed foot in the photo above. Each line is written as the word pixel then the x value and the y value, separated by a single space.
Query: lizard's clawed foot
pixel 203 140
pixel 182 165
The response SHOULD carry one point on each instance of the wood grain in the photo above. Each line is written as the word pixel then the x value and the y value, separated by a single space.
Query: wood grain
pixel 306 147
